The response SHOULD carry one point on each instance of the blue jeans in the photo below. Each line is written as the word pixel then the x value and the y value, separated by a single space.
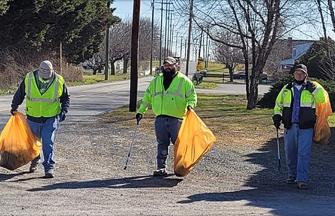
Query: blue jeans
pixel 298 143
pixel 166 129
pixel 46 132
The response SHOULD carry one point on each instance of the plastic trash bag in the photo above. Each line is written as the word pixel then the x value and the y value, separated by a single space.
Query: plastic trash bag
pixel 193 142
pixel 322 131
pixel 18 145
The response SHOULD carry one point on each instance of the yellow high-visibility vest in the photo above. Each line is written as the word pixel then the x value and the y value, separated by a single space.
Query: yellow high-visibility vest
pixel 46 104
pixel 173 101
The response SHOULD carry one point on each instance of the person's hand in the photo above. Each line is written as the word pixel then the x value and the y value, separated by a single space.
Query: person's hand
pixel 277 120
pixel 62 116
pixel 13 111
pixel 139 116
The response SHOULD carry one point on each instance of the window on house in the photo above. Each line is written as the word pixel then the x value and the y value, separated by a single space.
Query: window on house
pixel 294 53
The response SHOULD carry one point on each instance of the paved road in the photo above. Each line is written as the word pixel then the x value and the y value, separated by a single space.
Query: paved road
pixel 88 100
pixel 233 89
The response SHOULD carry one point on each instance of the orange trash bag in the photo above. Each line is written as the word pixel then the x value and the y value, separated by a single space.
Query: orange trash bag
pixel 322 131
pixel 193 142
pixel 18 145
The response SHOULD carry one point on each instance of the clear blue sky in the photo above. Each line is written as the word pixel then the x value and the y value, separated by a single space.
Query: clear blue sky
pixel 124 9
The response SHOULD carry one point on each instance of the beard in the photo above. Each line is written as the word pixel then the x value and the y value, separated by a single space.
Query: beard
pixel 169 72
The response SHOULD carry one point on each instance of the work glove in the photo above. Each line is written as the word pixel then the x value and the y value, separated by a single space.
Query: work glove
pixel 277 120
pixel 62 116
pixel 139 116
pixel 13 111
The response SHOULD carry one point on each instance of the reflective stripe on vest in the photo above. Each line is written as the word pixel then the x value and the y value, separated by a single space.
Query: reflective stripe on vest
pixel 55 98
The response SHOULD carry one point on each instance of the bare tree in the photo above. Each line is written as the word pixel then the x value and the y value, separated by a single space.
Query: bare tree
pixel 119 47
pixel 120 36
pixel 256 25
pixel 227 55
pixel 331 11
pixel 96 63
pixel 319 4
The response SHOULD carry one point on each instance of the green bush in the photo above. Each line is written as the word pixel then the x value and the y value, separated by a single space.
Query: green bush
pixel 268 100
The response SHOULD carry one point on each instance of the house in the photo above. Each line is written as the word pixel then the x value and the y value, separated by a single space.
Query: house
pixel 297 51
pixel 284 54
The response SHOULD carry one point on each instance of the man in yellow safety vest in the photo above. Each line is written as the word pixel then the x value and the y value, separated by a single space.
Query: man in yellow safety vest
pixel 169 94
pixel 47 102
pixel 295 108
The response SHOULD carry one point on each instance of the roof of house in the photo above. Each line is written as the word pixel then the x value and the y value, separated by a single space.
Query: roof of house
pixel 297 51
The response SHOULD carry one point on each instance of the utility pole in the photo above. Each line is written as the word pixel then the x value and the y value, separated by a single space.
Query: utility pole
pixel 176 49
pixel 152 33
pixel 171 34
pixel 207 55
pixel 186 50
pixel 134 56
pixel 171 43
pixel 189 37
pixel 160 36
pixel 166 30
pixel 204 46
pixel 200 44
pixel 107 46
pixel 181 46
pixel 207 51
pixel 195 43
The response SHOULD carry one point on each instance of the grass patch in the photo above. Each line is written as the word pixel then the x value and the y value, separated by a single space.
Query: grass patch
pixel 206 85
pixel 87 80
pixel 92 79
pixel 225 115
pixel 216 67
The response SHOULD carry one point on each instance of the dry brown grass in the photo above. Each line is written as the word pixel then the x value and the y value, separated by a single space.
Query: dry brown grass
pixel 14 64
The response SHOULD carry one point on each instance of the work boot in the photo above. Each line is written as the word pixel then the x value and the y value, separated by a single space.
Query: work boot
pixel 160 172
pixel 302 185
pixel 291 180
pixel 33 167
pixel 49 174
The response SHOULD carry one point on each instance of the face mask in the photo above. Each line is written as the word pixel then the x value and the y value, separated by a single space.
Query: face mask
pixel 44 80
pixel 299 82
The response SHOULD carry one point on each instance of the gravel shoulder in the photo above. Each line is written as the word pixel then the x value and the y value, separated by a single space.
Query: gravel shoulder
pixel 237 177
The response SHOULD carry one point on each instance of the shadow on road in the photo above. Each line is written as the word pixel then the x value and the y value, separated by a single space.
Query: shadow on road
pixel 4 177
pixel 131 182
pixel 269 190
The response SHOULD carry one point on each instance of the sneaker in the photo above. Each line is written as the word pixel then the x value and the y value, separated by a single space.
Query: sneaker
pixel 49 174
pixel 291 180
pixel 302 185
pixel 160 172
pixel 33 167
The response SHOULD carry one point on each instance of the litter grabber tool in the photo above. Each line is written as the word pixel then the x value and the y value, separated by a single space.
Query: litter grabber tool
pixel 131 144
pixel 278 150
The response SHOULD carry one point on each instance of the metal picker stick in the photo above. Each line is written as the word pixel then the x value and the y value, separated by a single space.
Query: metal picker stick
pixel 131 145
pixel 278 151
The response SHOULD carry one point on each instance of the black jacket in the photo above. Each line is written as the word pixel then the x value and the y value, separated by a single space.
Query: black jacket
pixel 307 117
